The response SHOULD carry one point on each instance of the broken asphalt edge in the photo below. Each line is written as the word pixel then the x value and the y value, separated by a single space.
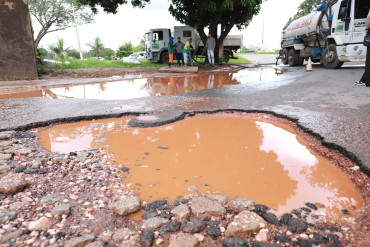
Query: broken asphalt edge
pixel 182 114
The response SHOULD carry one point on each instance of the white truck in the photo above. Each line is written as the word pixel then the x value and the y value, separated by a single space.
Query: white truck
pixel 331 35
pixel 156 42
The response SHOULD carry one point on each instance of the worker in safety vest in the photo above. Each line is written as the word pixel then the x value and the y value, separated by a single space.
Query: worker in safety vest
pixel 187 51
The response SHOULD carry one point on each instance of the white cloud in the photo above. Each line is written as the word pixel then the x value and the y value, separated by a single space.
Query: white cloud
pixel 130 24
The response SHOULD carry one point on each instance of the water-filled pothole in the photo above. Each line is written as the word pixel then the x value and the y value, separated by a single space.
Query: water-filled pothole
pixel 169 84
pixel 233 155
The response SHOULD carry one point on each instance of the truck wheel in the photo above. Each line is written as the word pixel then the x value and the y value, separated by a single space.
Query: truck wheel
pixel 301 59
pixel 226 57
pixel 164 57
pixel 284 56
pixel 330 58
pixel 293 58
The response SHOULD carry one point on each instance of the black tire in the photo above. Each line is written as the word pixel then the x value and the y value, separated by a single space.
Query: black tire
pixel 284 56
pixel 330 57
pixel 293 58
pixel 164 57
pixel 226 57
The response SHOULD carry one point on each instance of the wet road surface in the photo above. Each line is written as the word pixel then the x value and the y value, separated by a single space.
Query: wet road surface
pixel 233 155
pixel 324 101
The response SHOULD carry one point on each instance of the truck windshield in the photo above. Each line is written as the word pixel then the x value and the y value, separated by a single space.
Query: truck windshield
pixel 158 35
pixel 362 9
pixel 147 37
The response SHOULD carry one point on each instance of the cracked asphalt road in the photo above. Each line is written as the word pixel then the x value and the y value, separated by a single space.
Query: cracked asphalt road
pixel 325 102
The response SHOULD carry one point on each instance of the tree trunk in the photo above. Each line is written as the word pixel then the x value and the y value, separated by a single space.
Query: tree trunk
pixel 40 35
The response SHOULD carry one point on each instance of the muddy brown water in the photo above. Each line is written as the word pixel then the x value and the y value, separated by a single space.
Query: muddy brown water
pixel 140 87
pixel 238 156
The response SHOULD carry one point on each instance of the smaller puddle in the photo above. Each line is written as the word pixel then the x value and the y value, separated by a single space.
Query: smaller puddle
pixel 238 156
pixel 142 87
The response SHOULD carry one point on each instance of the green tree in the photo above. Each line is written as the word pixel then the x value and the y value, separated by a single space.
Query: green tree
pixel 107 53
pixel 199 14
pixel 55 15
pixel 125 50
pixel 41 54
pixel 304 8
pixel 73 53
pixel 59 49
pixel 138 48
pixel 96 47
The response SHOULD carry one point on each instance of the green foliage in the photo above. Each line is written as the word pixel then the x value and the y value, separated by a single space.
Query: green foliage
pixel 304 8
pixel 96 47
pixel 41 54
pixel 73 53
pixel 54 15
pixel 111 6
pixel 138 48
pixel 59 49
pixel 107 53
pixel 125 50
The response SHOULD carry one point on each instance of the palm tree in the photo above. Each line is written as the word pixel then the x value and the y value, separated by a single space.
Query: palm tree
pixel 96 47
pixel 59 49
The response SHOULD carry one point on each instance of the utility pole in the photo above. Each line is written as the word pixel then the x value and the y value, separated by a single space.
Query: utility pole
pixel 78 37
pixel 263 30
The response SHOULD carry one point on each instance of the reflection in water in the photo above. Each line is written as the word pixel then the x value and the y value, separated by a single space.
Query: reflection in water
pixel 153 86
pixel 253 159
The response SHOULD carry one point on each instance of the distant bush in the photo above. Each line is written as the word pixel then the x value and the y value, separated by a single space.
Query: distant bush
pixel 73 53
pixel 41 54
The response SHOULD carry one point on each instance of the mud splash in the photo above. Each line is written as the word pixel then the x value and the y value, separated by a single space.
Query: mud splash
pixel 142 87
pixel 238 156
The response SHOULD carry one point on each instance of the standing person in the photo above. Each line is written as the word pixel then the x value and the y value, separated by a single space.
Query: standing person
pixel 186 51
pixel 179 46
pixel 171 51
pixel 211 45
pixel 365 79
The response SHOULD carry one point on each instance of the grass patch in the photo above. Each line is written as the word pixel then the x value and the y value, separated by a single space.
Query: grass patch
pixel 94 63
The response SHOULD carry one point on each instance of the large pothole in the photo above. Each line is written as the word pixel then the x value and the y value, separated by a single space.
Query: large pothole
pixel 233 155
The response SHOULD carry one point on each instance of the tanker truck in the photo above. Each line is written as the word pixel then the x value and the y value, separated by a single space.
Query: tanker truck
pixel 331 35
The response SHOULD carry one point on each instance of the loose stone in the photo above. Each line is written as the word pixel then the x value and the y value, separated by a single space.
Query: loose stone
pixel 41 224
pixel 262 236
pixel 146 239
pixel 181 212
pixel 150 214
pixel 285 219
pixel 5 156
pixel 271 218
pixel 205 207
pixel 61 209
pixel 243 203
pixel 233 242
pixel 194 225
pixel 214 232
pixel 170 227
pixel 79 241
pixel 105 236
pixel 263 244
pixel 243 223
pixel 123 234
pixel 12 235
pixel 283 239
pixel 223 199
pixel 4 169
pixel 52 198
pixel 297 225
pixel 125 206
pixel 96 244
pixel 183 240
pixel 153 223
pixel 154 205
pixel 12 183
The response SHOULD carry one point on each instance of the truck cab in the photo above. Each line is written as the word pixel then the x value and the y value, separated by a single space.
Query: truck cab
pixel 156 41
pixel 331 35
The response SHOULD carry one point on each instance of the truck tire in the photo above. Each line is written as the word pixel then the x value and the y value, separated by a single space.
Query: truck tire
pixel 164 57
pixel 226 57
pixel 284 56
pixel 330 57
pixel 293 58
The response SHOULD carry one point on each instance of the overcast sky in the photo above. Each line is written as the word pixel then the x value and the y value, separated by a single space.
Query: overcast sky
pixel 130 24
